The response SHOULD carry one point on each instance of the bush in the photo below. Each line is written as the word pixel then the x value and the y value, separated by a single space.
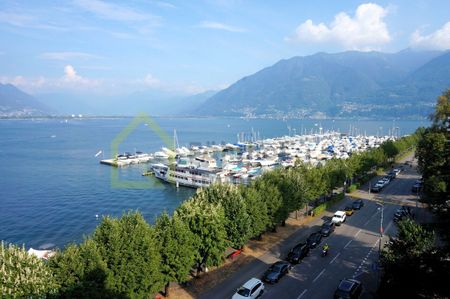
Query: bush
pixel 352 188
pixel 322 207
pixel 23 275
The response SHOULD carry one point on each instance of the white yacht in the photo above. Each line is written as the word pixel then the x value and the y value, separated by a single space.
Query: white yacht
pixel 186 175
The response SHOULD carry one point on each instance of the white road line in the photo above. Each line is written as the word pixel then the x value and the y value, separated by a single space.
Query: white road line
pixel 367 222
pixel 388 227
pixel 303 293
pixel 335 258
pixel 358 270
pixel 348 243
pixel 357 233
pixel 320 274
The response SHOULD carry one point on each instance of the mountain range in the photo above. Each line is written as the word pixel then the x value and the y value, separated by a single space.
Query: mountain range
pixel 16 103
pixel 348 84
pixel 340 85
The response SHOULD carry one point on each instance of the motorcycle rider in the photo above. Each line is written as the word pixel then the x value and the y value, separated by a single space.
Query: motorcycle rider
pixel 325 247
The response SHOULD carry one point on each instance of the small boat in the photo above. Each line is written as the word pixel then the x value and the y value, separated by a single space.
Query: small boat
pixel 42 254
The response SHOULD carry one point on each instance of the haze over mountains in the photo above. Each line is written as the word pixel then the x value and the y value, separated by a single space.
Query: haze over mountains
pixel 347 84
pixel 16 103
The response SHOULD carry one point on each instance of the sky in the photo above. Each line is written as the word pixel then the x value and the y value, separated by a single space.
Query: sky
pixel 188 47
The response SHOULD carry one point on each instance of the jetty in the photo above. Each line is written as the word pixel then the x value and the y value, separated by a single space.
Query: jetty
pixel 240 163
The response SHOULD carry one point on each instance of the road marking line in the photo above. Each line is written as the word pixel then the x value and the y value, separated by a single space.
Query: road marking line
pixel 388 227
pixel 360 269
pixel 335 258
pixel 320 274
pixel 370 219
pixel 348 244
pixel 357 233
pixel 303 293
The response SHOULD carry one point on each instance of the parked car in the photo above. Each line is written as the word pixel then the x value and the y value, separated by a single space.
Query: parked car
pixel 391 175
pixel 358 204
pixel 276 271
pixel 348 210
pixel 348 288
pixel 250 290
pixel 314 239
pixel 298 253
pixel 327 228
pixel 417 187
pixel 386 180
pixel 402 213
pixel 339 217
pixel 397 171
pixel 377 187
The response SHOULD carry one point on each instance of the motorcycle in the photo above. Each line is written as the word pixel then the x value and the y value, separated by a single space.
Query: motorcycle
pixel 324 252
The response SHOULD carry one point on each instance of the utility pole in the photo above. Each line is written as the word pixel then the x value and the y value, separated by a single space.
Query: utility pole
pixel 380 240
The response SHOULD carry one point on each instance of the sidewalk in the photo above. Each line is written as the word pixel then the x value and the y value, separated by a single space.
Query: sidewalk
pixel 271 244
pixel 252 251
pixel 257 252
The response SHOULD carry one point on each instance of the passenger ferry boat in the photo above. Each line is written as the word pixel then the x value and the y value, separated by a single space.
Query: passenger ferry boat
pixel 202 172
pixel 189 176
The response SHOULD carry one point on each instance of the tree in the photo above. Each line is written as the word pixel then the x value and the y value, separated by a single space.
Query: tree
pixel 433 152
pixel 23 275
pixel 441 115
pixel 271 196
pixel 410 263
pixel 314 182
pixel 336 172
pixel 207 222
pixel 257 212
pixel 128 247
pixel 177 249
pixel 390 149
pixel 80 271
pixel 237 220
pixel 434 161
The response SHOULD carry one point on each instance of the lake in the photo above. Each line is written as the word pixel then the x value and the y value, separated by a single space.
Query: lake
pixel 52 185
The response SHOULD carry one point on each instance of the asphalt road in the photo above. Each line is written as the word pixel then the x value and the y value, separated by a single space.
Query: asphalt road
pixel 354 249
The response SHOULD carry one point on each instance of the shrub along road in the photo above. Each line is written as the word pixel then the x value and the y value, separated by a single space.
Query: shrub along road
pixel 353 248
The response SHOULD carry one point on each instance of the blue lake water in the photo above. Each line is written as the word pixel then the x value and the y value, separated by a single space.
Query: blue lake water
pixel 52 185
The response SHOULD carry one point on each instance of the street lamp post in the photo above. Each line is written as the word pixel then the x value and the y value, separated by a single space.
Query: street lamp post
pixel 381 221
pixel 381 237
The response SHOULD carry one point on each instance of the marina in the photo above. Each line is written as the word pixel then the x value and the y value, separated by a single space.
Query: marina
pixel 239 163
pixel 63 186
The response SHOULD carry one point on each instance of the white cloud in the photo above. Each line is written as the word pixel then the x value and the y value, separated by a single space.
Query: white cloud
pixel 27 21
pixel 73 82
pixel 151 81
pixel 69 81
pixel 437 40
pixel 365 31
pixel 15 19
pixel 70 74
pixel 67 55
pixel 221 26
pixel 114 12
pixel 164 4
pixel 26 84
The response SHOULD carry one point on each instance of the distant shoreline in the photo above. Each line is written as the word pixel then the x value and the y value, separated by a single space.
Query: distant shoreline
pixel 209 117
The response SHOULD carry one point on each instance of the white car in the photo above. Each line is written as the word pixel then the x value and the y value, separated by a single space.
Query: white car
pixel 251 289
pixel 386 180
pixel 339 217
